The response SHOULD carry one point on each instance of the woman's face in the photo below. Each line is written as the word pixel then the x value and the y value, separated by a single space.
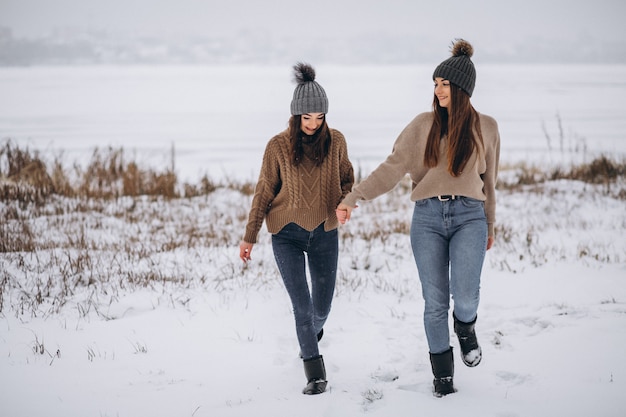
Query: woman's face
pixel 442 91
pixel 310 122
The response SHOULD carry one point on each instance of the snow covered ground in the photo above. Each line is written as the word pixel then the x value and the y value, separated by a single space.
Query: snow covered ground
pixel 142 308
pixel 221 340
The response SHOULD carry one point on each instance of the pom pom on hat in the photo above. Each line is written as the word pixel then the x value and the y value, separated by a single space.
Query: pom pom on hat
pixel 462 47
pixel 309 96
pixel 459 68
pixel 303 73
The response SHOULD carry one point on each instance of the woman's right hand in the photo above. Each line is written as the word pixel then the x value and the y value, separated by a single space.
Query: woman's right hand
pixel 245 249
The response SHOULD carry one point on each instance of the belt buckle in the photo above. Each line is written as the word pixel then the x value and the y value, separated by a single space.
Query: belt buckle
pixel 446 197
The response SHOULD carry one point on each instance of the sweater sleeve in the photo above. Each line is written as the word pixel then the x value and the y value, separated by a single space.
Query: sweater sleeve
pixel 490 177
pixel 267 187
pixel 346 171
pixel 387 175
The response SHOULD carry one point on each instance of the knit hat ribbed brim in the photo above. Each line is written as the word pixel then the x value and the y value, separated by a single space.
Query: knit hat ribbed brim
pixel 459 68
pixel 309 96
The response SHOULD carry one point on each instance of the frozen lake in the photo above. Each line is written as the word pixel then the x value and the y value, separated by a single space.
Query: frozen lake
pixel 219 118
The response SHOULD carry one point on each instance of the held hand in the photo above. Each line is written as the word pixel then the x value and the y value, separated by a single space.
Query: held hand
pixel 245 249
pixel 490 240
pixel 343 213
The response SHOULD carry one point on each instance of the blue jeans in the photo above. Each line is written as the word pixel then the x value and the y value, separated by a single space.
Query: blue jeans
pixel 449 241
pixel 310 308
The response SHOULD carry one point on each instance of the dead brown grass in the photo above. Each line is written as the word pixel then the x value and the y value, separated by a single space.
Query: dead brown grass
pixel 109 174
pixel 602 170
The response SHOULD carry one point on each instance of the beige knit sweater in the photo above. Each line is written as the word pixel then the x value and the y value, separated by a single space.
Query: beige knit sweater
pixel 478 179
pixel 305 194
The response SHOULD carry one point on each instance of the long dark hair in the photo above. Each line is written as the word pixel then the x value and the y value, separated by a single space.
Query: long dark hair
pixel 461 124
pixel 320 141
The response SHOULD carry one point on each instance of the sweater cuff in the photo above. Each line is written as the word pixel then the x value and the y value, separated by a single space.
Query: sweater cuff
pixel 249 238
pixel 350 200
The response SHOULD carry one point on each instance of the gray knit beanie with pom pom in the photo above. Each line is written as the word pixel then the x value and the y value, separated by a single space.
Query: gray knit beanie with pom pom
pixel 459 69
pixel 309 96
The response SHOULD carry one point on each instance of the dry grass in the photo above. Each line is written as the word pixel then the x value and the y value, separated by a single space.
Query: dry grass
pixel 72 237
pixel 602 170
pixel 108 175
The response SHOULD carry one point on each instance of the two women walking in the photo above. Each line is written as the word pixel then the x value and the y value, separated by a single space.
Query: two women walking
pixel 451 155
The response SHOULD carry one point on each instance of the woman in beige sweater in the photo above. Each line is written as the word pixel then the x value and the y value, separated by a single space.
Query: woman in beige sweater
pixel 305 174
pixel 451 155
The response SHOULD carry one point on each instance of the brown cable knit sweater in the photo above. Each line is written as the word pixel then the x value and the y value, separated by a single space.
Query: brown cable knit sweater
pixel 306 194
pixel 478 179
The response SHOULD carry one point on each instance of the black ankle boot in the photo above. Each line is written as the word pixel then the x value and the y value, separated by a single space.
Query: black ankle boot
pixel 315 373
pixel 471 353
pixel 443 371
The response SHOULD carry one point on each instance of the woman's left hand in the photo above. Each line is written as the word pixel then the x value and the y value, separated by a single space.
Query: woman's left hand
pixel 490 240
pixel 343 213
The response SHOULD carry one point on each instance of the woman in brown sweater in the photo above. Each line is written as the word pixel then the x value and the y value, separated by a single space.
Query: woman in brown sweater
pixel 304 175
pixel 451 155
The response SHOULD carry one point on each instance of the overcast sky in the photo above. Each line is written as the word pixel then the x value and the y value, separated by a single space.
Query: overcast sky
pixel 478 19
pixel 495 23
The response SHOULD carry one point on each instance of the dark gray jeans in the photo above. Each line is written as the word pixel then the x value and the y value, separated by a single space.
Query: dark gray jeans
pixel 310 306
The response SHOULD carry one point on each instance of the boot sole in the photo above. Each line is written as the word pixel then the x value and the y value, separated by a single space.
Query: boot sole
pixel 476 361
